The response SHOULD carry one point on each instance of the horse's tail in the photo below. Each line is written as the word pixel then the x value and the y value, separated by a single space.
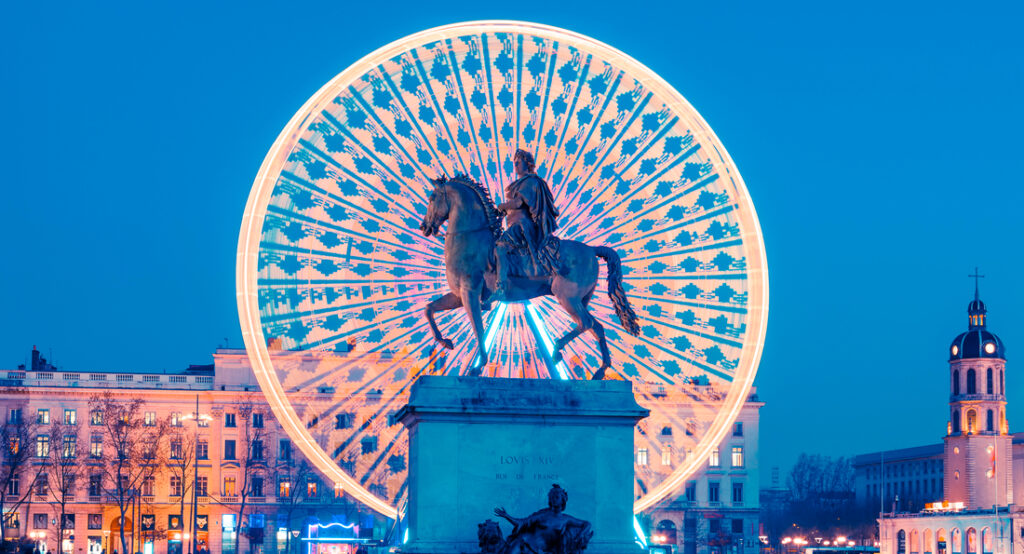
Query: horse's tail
pixel 615 291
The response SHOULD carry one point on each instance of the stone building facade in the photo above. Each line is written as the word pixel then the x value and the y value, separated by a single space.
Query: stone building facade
pixel 279 512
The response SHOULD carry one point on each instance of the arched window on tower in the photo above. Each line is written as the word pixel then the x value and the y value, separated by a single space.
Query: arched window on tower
pixel 989 389
pixel 956 421
pixel 972 422
pixel 972 382
pixel 956 382
pixel 989 421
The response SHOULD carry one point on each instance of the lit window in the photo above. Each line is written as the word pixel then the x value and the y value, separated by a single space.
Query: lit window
pixel 43 417
pixel 70 417
pixel 229 486
pixel 713 460
pixel 339 491
pixel 70 449
pixel 666 457
pixel 43 446
pixel 641 457
pixel 284 488
pixel 737 456
pixel 176 450
pixel 149 419
pixel 311 489
pixel 175 419
pixel 96 417
pixel 149 486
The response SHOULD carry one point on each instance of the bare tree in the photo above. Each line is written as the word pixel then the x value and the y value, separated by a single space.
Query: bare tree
pixel 181 462
pixel 251 453
pixel 17 437
pixel 298 477
pixel 59 481
pixel 134 449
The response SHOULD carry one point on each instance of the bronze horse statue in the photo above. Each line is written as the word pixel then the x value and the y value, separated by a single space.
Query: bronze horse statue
pixel 474 225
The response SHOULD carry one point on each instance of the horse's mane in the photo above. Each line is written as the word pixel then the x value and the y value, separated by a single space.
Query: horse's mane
pixel 490 210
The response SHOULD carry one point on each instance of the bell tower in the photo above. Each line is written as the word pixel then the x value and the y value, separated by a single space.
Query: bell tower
pixel 978 458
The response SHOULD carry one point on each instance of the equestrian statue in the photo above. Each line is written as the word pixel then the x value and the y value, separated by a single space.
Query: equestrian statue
pixel 486 264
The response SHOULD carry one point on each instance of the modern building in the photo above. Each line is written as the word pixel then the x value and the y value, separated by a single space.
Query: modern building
pixel 967 490
pixel 253 492
pixel 717 510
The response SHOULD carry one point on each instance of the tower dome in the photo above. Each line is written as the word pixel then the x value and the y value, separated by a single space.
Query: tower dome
pixel 977 341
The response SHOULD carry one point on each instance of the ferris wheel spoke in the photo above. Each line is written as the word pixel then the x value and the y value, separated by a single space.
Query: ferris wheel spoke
pixel 424 80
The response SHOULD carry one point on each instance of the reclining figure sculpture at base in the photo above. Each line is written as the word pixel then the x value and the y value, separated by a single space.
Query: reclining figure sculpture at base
pixel 546 531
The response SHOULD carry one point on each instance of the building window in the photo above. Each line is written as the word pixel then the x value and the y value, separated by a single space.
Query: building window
pixel 956 382
pixel 175 485
pixel 284 487
pixel 737 526
pixel 176 449
pixel 989 388
pixel 95 484
pixel 339 491
pixel 284 450
pixel 343 421
pixel 712 491
pixel 42 485
pixel 956 421
pixel 737 493
pixel 43 446
pixel 175 419
pixel 43 417
pixel 202 450
pixel 14 486
pixel 972 382
pixel 203 421
pixel 149 486
pixel 229 486
pixel 737 429
pixel 39 521
pixel 737 456
pixel 310 489
pixel 713 460
pixel 369 445
pixel 149 419
pixel 70 449
pixel 96 417
pixel 257 420
pixel 641 457
pixel 202 486
pixel 257 486
pixel 972 421
pixel 256 449
pixel 11 520
pixel 666 456
pixel 71 416
pixel 15 416
pixel 95 521
pixel 229 420
pixel 229 449
pixel 989 421
pixel 691 491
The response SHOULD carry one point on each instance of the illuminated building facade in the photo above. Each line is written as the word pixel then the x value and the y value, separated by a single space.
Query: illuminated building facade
pixel 973 509
pixel 717 510
pixel 236 434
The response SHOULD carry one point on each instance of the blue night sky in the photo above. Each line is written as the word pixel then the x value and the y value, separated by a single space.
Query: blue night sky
pixel 880 141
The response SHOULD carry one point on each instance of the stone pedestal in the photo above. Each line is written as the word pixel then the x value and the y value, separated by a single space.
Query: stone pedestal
pixel 479 443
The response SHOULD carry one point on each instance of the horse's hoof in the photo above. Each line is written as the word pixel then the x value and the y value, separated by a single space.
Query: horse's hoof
pixel 447 343
pixel 557 356
pixel 475 372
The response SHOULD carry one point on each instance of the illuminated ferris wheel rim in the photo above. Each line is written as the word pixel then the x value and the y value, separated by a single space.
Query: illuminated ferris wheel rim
pixel 263 187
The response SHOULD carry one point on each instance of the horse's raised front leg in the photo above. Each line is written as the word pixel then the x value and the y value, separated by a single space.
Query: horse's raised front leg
pixel 447 302
pixel 471 302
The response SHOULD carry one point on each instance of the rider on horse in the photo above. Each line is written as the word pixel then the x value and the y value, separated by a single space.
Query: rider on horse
pixel 530 218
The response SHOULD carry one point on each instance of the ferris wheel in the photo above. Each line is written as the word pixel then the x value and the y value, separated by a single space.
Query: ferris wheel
pixel 333 275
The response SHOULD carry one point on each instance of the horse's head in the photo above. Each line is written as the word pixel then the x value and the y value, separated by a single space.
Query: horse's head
pixel 437 207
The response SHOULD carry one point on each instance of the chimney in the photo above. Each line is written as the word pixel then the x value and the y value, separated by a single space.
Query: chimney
pixel 35 358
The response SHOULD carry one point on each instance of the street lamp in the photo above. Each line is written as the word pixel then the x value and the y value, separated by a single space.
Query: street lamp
pixel 295 534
